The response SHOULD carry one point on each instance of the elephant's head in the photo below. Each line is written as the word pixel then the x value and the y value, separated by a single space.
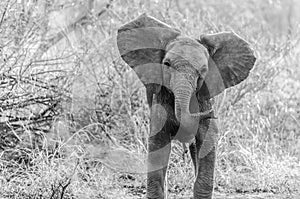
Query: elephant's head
pixel 159 54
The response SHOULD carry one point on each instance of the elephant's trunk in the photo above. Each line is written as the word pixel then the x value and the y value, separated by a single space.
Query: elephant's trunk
pixel 183 95
pixel 183 91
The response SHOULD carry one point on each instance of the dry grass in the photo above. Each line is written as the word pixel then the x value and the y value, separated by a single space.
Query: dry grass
pixel 101 152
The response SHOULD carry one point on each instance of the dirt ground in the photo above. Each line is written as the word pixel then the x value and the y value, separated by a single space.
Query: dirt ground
pixel 217 195
pixel 135 193
pixel 255 196
pixel 242 196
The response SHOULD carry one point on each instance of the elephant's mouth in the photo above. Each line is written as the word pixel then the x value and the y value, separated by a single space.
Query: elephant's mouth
pixel 189 114
pixel 187 107
pixel 194 109
pixel 191 110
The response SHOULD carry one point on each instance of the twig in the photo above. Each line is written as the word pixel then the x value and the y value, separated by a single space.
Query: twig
pixel 3 14
pixel 70 28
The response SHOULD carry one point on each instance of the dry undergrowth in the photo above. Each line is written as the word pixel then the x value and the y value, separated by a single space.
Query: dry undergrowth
pixel 74 120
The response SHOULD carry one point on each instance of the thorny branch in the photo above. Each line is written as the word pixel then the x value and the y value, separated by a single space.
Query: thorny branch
pixel 32 86
pixel 70 28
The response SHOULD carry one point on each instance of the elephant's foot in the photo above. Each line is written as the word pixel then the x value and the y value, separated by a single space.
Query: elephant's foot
pixel 155 184
pixel 203 190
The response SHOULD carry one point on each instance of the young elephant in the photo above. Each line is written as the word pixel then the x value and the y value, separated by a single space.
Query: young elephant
pixel 181 75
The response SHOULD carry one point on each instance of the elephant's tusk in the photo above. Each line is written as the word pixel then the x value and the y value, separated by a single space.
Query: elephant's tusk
pixel 205 114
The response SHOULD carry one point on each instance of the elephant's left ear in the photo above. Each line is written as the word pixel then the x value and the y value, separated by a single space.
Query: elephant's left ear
pixel 230 62
pixel 142 45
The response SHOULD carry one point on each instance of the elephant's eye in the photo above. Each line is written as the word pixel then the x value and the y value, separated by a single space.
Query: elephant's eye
pixel 203 70
pixel 167 63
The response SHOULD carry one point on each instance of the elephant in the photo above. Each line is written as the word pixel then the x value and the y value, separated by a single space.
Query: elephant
pixel 182 75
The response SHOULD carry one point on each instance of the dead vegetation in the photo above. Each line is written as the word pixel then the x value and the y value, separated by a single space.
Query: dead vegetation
pixel 74 119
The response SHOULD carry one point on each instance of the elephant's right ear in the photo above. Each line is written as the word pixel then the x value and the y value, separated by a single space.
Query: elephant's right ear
pixel 230 62
pixel 142 43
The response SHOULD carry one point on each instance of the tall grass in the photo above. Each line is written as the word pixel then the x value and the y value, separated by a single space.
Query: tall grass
pixel 96 147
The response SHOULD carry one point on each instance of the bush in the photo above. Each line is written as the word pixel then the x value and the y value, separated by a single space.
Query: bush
pixel 61 77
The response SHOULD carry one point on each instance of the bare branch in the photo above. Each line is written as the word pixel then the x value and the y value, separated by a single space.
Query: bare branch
pixel 45 46
pixel 3 14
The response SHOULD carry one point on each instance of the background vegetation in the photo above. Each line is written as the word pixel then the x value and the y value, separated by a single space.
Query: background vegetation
pixel 74 119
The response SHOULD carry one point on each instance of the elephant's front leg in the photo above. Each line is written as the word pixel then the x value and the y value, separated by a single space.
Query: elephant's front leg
pixel 158 157
pixel 159 148
pixel 206 154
